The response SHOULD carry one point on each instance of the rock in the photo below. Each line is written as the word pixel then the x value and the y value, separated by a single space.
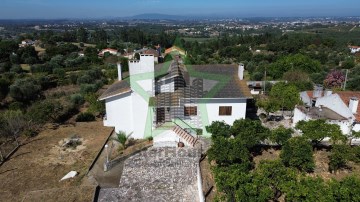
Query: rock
pixel 71 174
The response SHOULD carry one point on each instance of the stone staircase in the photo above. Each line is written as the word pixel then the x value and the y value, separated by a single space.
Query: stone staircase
pixel 185 136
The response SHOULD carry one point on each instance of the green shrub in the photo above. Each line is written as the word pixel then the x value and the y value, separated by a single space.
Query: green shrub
pixel 77 99
pixel 16 106
pixel 88 88
pixel 85 117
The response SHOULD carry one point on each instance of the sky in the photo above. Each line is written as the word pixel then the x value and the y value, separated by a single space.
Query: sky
pixel 50 9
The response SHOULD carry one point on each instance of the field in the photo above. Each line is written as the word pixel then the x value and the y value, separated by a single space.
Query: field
pixel 34 171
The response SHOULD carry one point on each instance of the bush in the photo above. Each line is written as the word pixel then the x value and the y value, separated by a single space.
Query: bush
pixel 77 99
pixel 85 117
pixel 88 88
pixel 16 106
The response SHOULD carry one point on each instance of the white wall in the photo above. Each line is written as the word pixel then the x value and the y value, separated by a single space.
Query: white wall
pixel 140 110
pixel 345 126
pixel 356 127
pixel 305 98
pixel 335 103
pixel 238 110
pixel 299 116
pixel 119 113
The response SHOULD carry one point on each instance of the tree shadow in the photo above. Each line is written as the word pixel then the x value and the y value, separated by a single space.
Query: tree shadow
pixel 21 154
pixel 8 170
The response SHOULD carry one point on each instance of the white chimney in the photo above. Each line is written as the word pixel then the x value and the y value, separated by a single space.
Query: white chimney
pixel 241 71
pixel 318 91
pixel 327 92
pixel 119 71
pixel 353 104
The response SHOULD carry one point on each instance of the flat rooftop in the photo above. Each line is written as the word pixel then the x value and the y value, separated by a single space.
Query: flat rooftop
pixel 158 174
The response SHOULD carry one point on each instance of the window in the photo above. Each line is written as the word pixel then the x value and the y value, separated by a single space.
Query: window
pixel 225 111
pixel 190 111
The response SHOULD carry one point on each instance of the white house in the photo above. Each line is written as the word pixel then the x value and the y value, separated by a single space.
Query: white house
pixel 108 50
pixel 173 102
pixel 354 49
pixel 339 108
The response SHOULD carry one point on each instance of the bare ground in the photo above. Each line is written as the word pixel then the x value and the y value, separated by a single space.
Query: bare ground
pixel 35 169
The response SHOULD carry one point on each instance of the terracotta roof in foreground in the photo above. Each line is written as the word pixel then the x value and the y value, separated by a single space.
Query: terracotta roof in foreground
pixel 346 96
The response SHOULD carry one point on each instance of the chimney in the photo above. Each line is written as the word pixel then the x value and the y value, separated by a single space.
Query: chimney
pixel 241 71
pixel 318 91
pixel 353 104
pixel 327 92
pixel 119 71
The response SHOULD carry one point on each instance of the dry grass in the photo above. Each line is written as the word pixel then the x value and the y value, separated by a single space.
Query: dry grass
pixel 40 164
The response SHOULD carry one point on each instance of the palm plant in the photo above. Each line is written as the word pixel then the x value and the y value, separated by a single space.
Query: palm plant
pixel 122 138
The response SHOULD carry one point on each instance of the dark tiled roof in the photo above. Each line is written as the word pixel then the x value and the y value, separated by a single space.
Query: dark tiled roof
pixel 117 88
pixel 233 86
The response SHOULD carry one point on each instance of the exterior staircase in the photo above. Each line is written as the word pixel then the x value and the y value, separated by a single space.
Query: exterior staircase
pixel 185 136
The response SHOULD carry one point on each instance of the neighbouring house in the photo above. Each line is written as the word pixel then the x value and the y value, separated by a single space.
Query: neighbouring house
pixel 173 102
pixel 354 49
pixel 129 56
pixel 108 50
pixel 175 50
pixel 153 52
pixel 339 108
pixel 27 42
pixel 144 51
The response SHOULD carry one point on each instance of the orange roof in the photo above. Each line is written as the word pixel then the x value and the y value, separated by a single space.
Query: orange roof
pixel 346 95
pixel 109 49
pixel 354 46
pixel 151 52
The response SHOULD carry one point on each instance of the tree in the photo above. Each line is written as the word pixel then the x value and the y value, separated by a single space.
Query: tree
pixel 82 35
pixel 226 152
pixel 219 129
pixel 334 79
pixel 293 62
pixel 25 90
pixel 250 132
pixel 346 190
pixel 267 104
pixel 274 175
pixel 340 155
pixel 230 179
pixel 6 49
pixel 297 153
pixel 13 124
pixel 317 130
pixel 281 134
pixel 308 189
pixel 286 95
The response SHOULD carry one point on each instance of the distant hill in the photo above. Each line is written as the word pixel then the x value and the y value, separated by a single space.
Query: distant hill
pixel 157 16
